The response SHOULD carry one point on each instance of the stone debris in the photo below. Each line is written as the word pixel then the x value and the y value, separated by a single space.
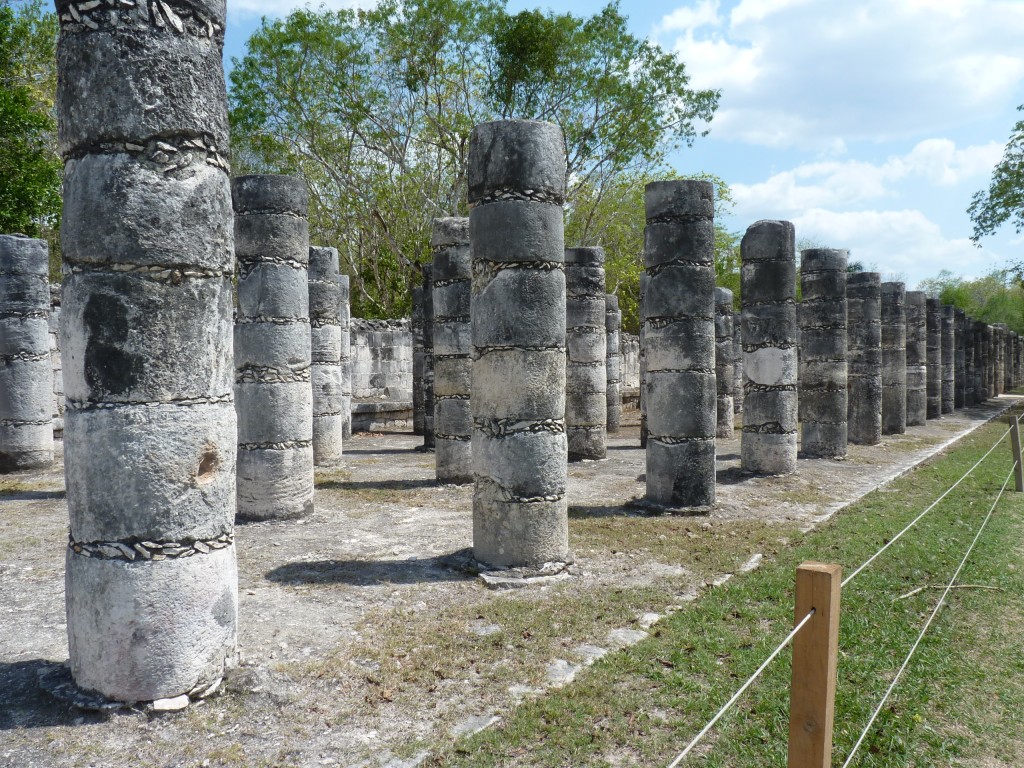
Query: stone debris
pixel 473 725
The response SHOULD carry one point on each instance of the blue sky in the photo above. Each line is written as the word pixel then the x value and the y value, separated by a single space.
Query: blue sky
pixel 867 123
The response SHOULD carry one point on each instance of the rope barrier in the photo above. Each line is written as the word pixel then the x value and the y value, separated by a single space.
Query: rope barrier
pixel 735 697
pixel 928 623
pixel 930 507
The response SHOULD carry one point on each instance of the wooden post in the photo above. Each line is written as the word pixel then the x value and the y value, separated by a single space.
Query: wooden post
pixel 815 654
pixel 1018 470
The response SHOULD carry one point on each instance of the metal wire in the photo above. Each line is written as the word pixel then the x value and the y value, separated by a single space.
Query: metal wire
pixel 742 688
pixel 930 507
pixel 928 623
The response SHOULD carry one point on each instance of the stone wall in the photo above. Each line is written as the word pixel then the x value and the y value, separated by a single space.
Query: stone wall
pixel 382 360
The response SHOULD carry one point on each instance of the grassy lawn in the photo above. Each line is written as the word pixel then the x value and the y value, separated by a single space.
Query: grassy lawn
pixel 961 701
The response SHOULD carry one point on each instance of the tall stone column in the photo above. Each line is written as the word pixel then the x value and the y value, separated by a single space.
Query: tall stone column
pixel 613 328
pixel 823 364
pixel 768 443
pixel 586 374
pixel 894 358
pixel 428 360
pixel 345 353
pixel 679 329
pixel 416 322
pixel 917 359
pixel 959 360
pixel 948 358
pixel 516 190
pixel 149 434
pixel 453 349
pixel 325 368
pixel 737 368
pixel 999 341
pixel 970 393
pixel 644 280
pixel 980 362
pixel 991 363
pixel 26 369
pixel 864 349
pixel 724 376
pixel 273 393
pixel 934 321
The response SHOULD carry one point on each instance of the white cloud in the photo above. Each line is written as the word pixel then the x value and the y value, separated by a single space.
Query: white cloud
pixel 688 17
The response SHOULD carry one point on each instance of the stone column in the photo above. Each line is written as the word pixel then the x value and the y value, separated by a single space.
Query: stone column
pixel 644 280
pixel 416 321
pixel 586 374
pixel 345 353
pixel 999 354
pixel 453 349
pixel 26 368
pixel 516 175
pixel 769 440
pixel 933 318
pixel 917 359
pixel 612 327
pixel 948 358
pixel 1009 354
pixel 864 349
pixel 980 362
pixel 724 374
pixel 991 363
pixel 959 360
pixel 149 438
pixel 823 365
pixel 679 330
pixel 737 368
pixel 325 367
pixel 273 394
pixel 894 358
pixel 428 360
pixel 970 393
pixel 55 359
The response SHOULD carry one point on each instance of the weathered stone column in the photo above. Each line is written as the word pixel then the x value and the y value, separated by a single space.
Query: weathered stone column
pixel 679 331
pixel 894 358
pixel 917 359
pixel 149 433
pixel 453 349
pixel 948 358
pixel 980 362
pixel 970 393
pixel 769 440
pixel 999 354
pixel 864 349
pixel 345 353
pixel 613 328
pixel 1008 370
pixel 26 369
pixel 934 320
pixel 516 190
pixel 644 280
pixel 273 393
pixel 959 360
pixel 55 359
pixel 990 356
pixel 724 374
pixel 823 365
pixel 416 321
pixel 428 360
pixel 325 367
pixel 586 374
pixel 737 368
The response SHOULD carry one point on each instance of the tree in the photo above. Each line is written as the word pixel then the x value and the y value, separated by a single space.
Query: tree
pixel 375 109
pixel 998 297
pixel 30 170
pixel 1003 201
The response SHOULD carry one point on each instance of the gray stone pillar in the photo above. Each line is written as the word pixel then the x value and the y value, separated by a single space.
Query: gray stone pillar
pixel 999 355
pixel 770 407
pixel 26 368
pixel 679 331
pixel 737 367
pixel 823 365
pixel 1008 335
pixel 428 360
pixel 418 413
pixel 149 438
pixel 970 393
pixel 586 374
pixel 724 373
pixel 345 350
pixel 917 359
pixel 934 321
pixel 273 393
pixel 613 328
pixel 948 358
pixel 516 190
pixel 55 359
pixel 980 362
pixel 644 280
pixel 959 360
pixel 864 350
pixel 988 344
pixel 894 358
pixel 325 367
pixel 453 349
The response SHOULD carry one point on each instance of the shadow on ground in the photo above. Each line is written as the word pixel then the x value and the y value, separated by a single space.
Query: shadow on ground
pixel 363 573
pixel 379 485
pixel 23 704
pixel 31 495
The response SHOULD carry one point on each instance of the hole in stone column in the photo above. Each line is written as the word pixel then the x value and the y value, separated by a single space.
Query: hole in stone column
pixel 208 466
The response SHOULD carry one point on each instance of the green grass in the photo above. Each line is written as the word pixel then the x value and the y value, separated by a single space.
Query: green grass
pixel 962 698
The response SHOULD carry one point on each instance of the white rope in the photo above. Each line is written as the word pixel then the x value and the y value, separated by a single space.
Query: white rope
pixel 743 688
pixel 931 506
pixel 928 623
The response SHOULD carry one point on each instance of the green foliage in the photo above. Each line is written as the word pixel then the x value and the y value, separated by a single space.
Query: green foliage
pixel 30 170
pixel 1003 201
pixel 996 298
pixel 375 109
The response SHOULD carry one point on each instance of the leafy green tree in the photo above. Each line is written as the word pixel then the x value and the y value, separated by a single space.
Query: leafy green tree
pixel 375 109
pixel 1003 201
pixel 30 170
pixel 998 297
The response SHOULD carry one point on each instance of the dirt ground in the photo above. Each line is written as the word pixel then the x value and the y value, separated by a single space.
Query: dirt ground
pixel 332 606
